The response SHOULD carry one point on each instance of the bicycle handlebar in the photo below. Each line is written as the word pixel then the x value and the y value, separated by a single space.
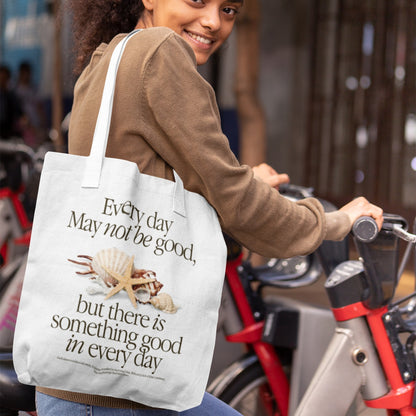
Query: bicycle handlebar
pixel 379 251
pixel 365 229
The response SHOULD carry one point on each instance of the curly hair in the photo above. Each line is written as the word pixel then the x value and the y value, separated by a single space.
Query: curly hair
pixel 97 21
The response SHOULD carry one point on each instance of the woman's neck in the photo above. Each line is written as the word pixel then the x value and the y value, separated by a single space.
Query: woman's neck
pixel 145 21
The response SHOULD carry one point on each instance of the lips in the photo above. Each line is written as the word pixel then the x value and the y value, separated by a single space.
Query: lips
pixel 200 40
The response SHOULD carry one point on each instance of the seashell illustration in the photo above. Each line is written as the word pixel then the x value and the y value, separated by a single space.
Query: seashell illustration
pixel 110 259
pixel 142 295
pixel 109 263
pixel 103 264
pixel 164 302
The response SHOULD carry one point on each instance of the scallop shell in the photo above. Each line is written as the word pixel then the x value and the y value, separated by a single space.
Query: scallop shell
pixel 164 302
pixel 111 259
pixel 142 295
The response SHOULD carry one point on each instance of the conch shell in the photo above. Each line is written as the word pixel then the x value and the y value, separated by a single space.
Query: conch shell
pixel 164 302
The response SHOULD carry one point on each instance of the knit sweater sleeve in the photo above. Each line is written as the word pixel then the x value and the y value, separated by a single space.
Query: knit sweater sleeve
pixel 188 136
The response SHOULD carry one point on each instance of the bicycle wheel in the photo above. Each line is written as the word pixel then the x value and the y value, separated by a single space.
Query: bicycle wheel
pixel 249 393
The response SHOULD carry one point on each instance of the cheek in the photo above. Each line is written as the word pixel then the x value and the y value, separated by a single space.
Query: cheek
pixel 226 32
pixel 228 28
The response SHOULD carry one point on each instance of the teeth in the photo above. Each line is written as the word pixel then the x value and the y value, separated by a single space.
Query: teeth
pixel 200 38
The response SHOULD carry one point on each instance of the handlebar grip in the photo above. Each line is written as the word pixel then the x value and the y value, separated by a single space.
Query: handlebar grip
pixel 365 229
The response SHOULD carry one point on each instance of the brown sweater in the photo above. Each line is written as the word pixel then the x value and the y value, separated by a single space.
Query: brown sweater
pixel 165 116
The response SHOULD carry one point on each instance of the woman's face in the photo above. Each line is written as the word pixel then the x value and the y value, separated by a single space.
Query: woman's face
pixel 204 24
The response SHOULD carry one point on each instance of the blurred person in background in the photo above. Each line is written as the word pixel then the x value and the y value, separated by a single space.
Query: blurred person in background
pixel 33 120
pixel 10 116
pixel 10 109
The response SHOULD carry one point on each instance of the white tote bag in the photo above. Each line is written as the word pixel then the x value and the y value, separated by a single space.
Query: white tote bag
pixel 123 280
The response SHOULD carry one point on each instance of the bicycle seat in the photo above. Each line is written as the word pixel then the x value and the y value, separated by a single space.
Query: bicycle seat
pixel 13 395
pixel 289 273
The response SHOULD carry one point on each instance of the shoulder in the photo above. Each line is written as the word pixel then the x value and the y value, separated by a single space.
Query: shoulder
pixel 161 41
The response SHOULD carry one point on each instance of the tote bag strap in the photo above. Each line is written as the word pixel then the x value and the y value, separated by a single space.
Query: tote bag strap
pixel 92 173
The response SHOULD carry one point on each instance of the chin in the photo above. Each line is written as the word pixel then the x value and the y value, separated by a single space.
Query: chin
pixel 202 60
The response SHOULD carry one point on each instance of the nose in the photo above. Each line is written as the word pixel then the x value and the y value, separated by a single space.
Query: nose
pixel 211 18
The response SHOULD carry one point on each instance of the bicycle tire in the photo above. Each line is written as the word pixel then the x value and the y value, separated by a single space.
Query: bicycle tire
pixel 249 393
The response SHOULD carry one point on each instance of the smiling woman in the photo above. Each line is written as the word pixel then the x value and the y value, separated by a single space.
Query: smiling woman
pixel 165 119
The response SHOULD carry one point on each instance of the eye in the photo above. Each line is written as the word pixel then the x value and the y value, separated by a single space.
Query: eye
pixel 231 11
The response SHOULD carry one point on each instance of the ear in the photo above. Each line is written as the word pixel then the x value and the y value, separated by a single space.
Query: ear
pixel 148 4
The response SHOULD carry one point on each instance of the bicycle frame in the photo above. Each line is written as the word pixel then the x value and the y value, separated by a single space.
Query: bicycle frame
pixel 13 224
pixel 251 335
pixel 15 234
pixel 14 242
pixel 246 328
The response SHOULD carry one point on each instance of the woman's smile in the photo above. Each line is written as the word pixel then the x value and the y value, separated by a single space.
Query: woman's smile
pixel 200 40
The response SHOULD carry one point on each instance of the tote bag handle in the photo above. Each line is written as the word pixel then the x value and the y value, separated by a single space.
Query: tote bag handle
pixel 95 160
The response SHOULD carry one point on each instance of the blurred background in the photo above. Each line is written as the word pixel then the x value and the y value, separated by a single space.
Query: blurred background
pixel 321 89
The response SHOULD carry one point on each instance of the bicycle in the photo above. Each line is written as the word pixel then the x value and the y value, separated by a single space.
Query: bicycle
pixel 16 209
pixel 17 200
pixel 273 377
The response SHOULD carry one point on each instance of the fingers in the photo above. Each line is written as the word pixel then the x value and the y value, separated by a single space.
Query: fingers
pixel 371 210
pixel 282 178
pixel 267 174
pixel 362 207
pixel 278 179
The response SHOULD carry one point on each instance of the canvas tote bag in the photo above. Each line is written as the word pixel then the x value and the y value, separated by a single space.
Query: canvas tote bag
pixel 123 279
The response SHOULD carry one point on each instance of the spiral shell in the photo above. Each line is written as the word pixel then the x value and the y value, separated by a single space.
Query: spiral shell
pixel 164 302
pixel 153 285
pixel 110 259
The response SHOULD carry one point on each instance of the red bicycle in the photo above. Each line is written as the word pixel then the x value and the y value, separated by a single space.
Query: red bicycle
pixel 286 370
pixel 19 175
pixel 16 206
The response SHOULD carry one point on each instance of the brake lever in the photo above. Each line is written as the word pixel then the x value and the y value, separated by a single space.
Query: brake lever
pixel 403 234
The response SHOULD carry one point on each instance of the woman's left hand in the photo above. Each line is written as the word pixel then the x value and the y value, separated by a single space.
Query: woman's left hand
pixel 267 174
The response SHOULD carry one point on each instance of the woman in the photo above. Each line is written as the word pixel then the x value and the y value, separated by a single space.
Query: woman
pixel 165 116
